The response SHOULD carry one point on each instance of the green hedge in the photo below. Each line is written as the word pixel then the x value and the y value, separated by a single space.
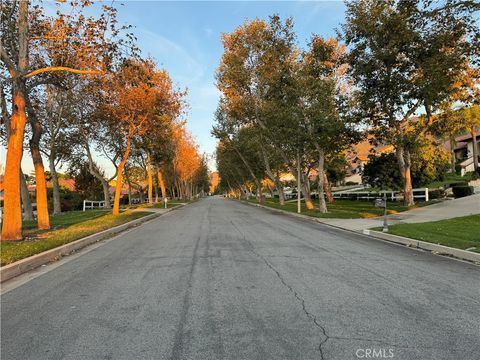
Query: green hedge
pixel 462 191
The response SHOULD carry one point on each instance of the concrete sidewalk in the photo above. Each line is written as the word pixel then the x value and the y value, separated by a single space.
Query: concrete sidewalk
pixel 447 209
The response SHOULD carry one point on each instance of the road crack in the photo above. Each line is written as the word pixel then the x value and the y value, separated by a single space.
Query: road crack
pixel 297 296
pixel 301 300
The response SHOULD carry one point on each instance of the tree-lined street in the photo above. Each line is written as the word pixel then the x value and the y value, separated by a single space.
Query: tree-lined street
pixel 218 279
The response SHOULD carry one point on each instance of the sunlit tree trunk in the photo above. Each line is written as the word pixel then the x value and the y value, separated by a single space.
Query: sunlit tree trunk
pixel 12 207
pixel 281 193
pixel 403 157
pixel 162 184
pixel 326 188
pixel 150 179
pixel 303 189
pixel 270 190
pixel 43 220
pixel 321 181
pixel 118 187
pixel 274 178
pixel 26 202
pixel 12 214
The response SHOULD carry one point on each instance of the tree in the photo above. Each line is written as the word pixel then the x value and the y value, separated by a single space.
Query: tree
pixel 321 73
pixel 429 163
pixel 405 56
pixel 138 97
pixel 257 78
pixel 88 186
pixel 34 49
pixel 382 172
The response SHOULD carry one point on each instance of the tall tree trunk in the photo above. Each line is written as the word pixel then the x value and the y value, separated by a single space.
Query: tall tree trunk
pixel 274 178
pixel 279 187
pixel 149 179
pixel 252 174
pixel 403 157
pixel 43 220
pixel 326 188
pixel 270 190
pixel 12 207
pixel 57 207
pixel 12 211
pixel 302 186
pixel 303 189
pixel 321 196
pixel 475 152
pixel 26 202
pixel 162 184
pixel 118 187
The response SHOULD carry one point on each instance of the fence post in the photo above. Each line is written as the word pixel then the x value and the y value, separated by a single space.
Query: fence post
pixel 426 194
pixel 83 205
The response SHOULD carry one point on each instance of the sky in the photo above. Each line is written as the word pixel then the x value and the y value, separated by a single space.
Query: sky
pixel 184 37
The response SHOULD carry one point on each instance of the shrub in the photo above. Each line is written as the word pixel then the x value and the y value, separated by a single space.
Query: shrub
pixel 349 183
pixel 382 172
pixel 462 191
pixel 436 194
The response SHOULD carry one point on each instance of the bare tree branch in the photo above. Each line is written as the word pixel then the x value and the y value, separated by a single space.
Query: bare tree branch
pixel 7 61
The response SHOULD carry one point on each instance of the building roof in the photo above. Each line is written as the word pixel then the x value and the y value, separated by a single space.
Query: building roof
pixel 467 137
pixel 460 141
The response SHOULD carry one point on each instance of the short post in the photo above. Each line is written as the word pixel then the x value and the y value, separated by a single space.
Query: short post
pixel 385 219
pixel 426 195
pixel 165 201
pixel 83 205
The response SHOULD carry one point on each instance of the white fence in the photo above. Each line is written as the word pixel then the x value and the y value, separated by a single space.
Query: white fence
pixel 89 204
pixel 421 193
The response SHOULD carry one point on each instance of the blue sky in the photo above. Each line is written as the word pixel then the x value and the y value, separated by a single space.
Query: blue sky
pixel 184 38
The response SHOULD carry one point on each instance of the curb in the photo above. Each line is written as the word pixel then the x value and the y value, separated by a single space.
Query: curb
pixel 22 266
pixel 301 216
pixel 377 235
pixel 434 248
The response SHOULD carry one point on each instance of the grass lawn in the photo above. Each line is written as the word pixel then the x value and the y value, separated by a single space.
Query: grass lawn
pixel 461 232
pixel 343 209
pixel 66 228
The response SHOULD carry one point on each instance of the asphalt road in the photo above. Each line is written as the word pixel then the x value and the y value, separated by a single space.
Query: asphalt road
pixel 222 280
